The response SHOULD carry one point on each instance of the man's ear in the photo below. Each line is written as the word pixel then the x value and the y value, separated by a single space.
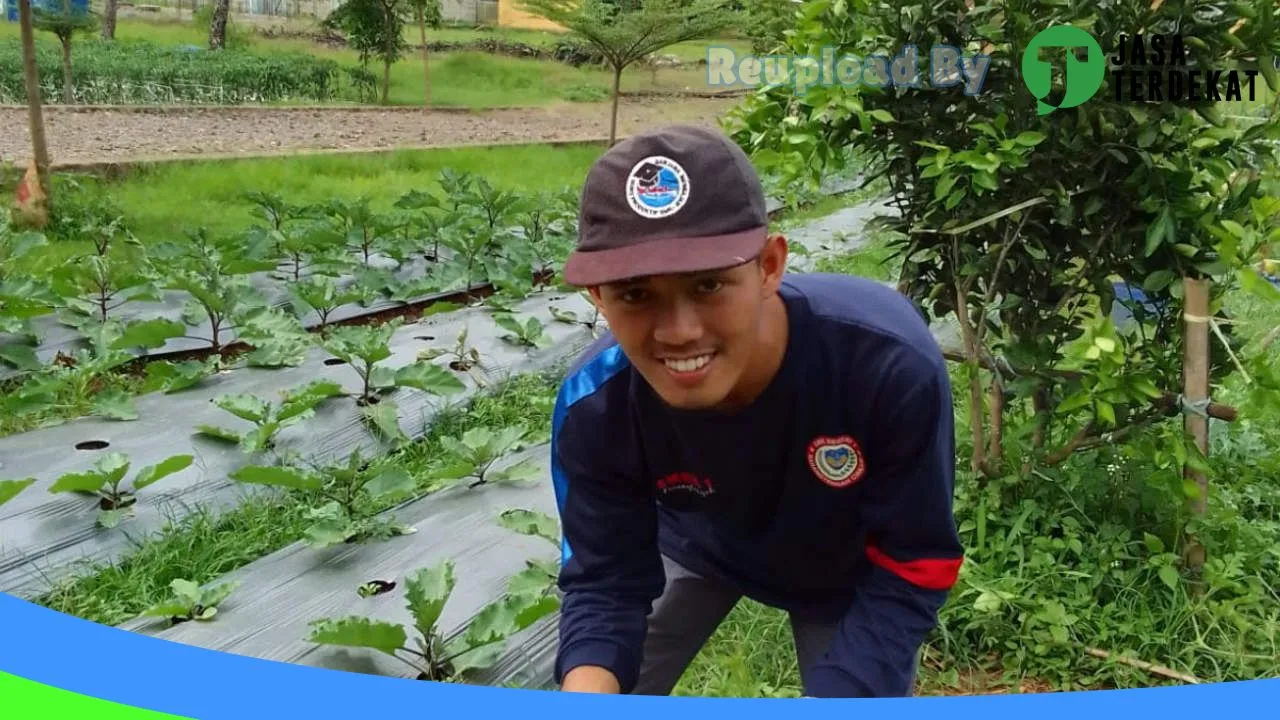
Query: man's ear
pixel 594 291
pixel 773 262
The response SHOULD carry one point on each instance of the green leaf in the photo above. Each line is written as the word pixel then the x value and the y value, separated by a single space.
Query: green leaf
pixel 359 632
pixel 186 591
pixel 1161 230
pixel 115 404
pixel 429 378
pixel 78 482
pixel 1154 544
pixel 150 474
pixel 218 433
pixel 1169 576
pixel 1158 280
pixel 531 522
pixel 944 186
pixel 22 357
pixel 244 406
pixel 110 518
pixel 167 609
pixel 1106 413
pixel 148 334
pixel 9 489
pixel 1030 138
pixel 883 116
pixel 277 477
pixel 524 471
pixel 426 592
pixel 391 481
pixel 385 420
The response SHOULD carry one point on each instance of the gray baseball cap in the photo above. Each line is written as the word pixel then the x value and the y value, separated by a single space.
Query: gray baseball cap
pixel 677 199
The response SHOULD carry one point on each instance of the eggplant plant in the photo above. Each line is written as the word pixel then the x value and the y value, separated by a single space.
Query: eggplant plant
pixel 590 321
pixel 530 334
pixel 478 449
pixel 464 357
pixel 116 272
pixel 214 273
pixel 539 576
pixel 364 346
pixel 22 297
pixel 191 602
pixel 363 230
pixel 105 478
pixel 171 377
pixel 269 419
pixel 478 646
pixel 9 489
pixel 343 497
pixel 321 295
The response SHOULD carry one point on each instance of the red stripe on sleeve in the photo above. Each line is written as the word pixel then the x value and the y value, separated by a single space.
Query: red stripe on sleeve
pixel 928 573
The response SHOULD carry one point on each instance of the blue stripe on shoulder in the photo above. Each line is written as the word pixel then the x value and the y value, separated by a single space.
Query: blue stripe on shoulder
pixel 582 382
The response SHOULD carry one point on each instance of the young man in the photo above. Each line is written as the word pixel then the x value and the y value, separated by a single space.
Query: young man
pixel 741 434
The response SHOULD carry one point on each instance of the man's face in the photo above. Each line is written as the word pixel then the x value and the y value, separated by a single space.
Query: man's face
pixel 696 338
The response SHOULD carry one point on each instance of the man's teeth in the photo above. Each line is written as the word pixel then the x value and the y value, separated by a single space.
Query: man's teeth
pixel 687 364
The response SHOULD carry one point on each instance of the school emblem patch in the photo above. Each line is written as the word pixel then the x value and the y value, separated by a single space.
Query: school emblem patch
pixel 837 461
pixel 657 187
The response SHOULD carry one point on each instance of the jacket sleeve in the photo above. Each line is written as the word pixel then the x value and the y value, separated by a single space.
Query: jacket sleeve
pixel 611 570
pixel 912 545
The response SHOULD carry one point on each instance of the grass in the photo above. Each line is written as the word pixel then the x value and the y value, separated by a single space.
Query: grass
pixel 165 200
pixel 458 79
pixel 203 546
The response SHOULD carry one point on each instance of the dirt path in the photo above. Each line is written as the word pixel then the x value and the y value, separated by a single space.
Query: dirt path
pixel 86 135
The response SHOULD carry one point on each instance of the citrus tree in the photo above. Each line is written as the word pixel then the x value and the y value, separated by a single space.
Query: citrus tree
pixel 1025 228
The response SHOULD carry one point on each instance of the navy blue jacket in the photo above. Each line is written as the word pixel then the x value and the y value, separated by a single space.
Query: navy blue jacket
pixel 829 497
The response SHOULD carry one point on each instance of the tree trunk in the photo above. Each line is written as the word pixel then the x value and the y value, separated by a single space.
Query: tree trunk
pixel 613 119
pixel 68 89
pixel 426 68
pixel 218 30
pixel 386 81
pixel 109 19
pixel 35 113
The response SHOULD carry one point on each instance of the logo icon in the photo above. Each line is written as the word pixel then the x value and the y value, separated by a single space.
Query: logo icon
pixel 837 461
pixel 1081 78
pixel 657 187
pixel 687 482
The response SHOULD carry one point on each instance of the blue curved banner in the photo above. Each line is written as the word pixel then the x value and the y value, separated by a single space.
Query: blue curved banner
pixel 134 670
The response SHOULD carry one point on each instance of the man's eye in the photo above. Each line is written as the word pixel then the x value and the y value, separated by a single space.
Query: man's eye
pixel 633 296
pixel 709 285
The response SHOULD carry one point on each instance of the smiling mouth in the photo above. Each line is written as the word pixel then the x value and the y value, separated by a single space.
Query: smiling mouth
pixel 688 365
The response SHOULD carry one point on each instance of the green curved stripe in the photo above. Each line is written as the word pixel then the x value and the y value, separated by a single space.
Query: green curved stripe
pixel 29 699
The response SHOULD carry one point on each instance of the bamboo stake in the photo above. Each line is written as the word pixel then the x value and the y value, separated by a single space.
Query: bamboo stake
pixel 1195 372
pixel 1139 664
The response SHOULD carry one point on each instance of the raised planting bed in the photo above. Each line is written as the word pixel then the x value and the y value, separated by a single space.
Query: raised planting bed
pixel 274 601
pixel 44 535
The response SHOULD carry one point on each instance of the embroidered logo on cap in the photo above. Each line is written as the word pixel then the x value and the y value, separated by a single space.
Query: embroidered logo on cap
pixel 837 461
pixel 657 187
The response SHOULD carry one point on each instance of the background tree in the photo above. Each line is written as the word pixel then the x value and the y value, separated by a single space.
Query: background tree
pixel 109 12
pixel 427 14
pixel 1030 231
pixel 626 31
pixel 374 28
pixel 64 24
pixel 218 27
pixel 35 112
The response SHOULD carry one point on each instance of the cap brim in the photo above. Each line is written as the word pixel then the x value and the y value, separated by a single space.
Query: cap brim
pixel 666 256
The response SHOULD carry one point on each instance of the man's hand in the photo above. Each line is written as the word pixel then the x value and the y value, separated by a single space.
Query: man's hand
pixel 590 679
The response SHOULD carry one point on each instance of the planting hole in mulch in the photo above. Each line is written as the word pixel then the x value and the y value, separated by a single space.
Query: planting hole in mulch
pixel 428 338
pixel 92 445
pixel 376 587
pixel 459 366
pixel 108 504
pixel 335 361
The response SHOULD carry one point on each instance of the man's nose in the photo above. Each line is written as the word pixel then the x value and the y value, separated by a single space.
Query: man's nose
pixel 678 324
